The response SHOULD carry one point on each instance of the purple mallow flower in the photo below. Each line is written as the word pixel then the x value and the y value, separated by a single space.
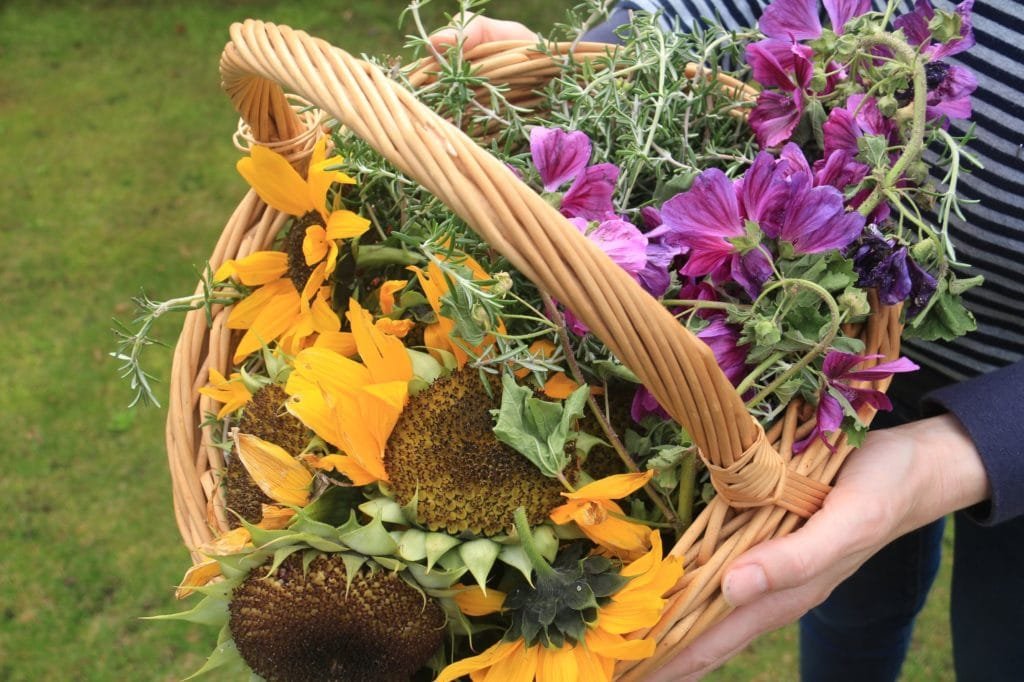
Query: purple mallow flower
pixel 839 373
pixel 721 222
pixel 711 220
pixel 622 241
pixel 786 67
pixel 889 269
pixel 560 157
pixel 798 19
pixel 949 87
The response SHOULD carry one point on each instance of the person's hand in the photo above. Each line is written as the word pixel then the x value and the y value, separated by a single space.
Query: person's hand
pixel 479 29
pixel 901 479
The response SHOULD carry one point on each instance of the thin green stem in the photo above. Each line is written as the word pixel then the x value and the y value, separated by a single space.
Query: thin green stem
pixel 818 348
pixel 915 143
pixel 595 409
pixel 537 560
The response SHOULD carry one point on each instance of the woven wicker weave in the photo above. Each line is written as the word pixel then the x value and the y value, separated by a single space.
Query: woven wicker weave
pixel 763 491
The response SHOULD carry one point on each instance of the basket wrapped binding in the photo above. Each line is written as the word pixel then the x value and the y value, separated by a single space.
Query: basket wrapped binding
pixel 763 491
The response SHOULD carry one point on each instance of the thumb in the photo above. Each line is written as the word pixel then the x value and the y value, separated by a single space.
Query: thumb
pixel 830 545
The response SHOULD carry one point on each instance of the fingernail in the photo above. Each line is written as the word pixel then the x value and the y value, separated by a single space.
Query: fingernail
pixel 744 584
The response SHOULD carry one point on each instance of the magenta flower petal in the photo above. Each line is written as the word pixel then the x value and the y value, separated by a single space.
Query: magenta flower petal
pixel 644 404
pixel 840 170
pixel 776 116
pixel 881 370
pixel 590 196
pixel 622 241
pixel 817 220
pixel 952 96
pixel 781 63
pixel 840 131
pixel 841 11
pixel 791 19
pixel 762 195
pixel 722 338
pixel 559 156
pixel 708 209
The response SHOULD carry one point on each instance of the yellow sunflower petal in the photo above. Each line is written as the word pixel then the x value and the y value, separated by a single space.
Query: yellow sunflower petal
pixel 344 224
pixel 323 317
pixel 567 512
pixel 232 392
pixel 612 487
pixel 315 281
pixel 487 659
pixel 557 665
pixel 261 267
pixel 623 538
pixel 275 318
pixel 473 602
pixel 618 647
pixel 314 244
pixel 383 354
pixel 275 518
pixel 348 466
pixel 592 666
pixel 323 367
pixel 245 312
pixel 275 181
pixel 387 294
pixel 342 343
pixel 277 473
pixel 519 667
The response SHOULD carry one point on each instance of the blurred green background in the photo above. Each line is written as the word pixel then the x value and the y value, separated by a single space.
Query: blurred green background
pixel 116 175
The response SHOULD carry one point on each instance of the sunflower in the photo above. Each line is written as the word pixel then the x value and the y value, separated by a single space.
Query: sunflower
pixel 635 606
pixel 291 303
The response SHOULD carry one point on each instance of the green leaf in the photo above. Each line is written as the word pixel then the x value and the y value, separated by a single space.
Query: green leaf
pixel 334 505
pixel 536 428
pixel 945 318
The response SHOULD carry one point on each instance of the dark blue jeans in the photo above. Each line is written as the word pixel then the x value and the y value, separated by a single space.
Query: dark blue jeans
pixel 862 631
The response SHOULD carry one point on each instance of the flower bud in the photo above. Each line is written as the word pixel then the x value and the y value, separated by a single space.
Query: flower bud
pixel 767 332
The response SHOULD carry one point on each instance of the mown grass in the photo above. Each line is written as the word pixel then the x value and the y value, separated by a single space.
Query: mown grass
pixel 117 173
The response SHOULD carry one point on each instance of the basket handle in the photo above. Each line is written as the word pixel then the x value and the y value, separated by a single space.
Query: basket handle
pixel 678 368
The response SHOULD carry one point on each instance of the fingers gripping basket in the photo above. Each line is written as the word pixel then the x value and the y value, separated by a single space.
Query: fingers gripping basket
pixel 764 492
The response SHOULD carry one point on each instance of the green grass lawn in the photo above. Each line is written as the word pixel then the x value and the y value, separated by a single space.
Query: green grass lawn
pixel 117 174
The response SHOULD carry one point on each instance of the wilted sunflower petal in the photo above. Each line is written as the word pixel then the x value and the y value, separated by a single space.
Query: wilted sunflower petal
pixel 278 474
pixel 197 576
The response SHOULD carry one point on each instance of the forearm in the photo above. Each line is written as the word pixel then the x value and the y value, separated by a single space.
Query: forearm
pixel 947 471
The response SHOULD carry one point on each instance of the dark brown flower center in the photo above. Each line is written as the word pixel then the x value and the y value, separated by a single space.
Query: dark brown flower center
pixel 298 270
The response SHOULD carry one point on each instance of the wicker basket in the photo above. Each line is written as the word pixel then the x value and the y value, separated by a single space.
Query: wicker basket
pixel 764 492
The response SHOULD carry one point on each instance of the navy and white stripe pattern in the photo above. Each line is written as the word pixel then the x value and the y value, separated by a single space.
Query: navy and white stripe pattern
pixel 991 239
